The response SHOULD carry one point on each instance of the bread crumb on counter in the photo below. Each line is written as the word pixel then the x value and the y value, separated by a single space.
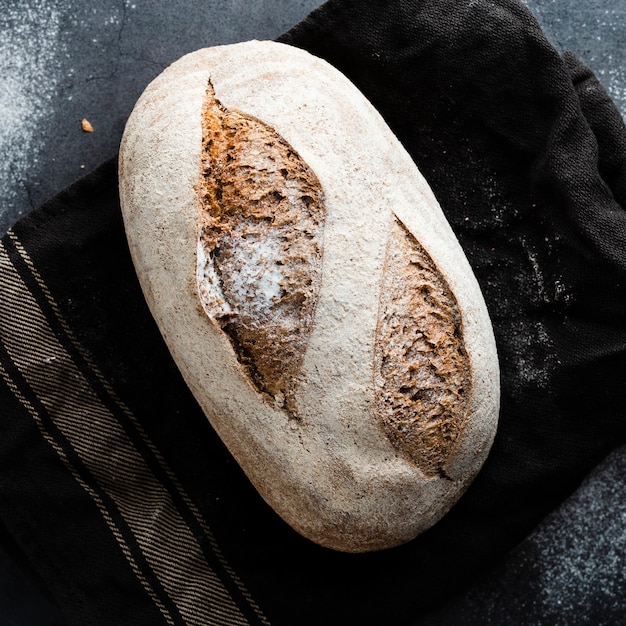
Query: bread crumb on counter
pixel 86 125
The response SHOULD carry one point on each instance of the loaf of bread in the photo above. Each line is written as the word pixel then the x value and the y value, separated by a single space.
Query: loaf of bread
pixel 310 291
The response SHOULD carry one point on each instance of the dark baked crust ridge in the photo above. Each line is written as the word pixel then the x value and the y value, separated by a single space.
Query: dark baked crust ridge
pixel 422 370
pixel 260 228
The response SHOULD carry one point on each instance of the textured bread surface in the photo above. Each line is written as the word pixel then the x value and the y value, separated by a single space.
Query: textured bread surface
pixel 425 376
pixel 260 238
pixel 310 291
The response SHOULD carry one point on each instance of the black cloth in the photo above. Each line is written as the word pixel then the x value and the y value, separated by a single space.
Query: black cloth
pixel 122 499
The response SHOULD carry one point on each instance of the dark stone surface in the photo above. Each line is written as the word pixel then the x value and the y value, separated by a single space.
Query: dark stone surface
pixel 64 60
pixel 595 31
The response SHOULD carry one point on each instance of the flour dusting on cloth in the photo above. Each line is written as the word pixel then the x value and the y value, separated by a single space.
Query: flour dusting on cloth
pixel 29 45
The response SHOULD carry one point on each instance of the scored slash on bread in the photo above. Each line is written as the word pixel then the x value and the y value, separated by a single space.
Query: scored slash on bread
pixel 310 291
pixel 260 229
pixel 422 371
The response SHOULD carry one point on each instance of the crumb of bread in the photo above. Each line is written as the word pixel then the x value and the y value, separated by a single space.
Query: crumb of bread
pixel 86 125
pixel 424 380
pixel 259 252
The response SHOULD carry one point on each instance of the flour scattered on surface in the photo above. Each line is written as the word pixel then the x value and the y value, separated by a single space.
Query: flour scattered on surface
pixel 614 80
pixel 581 549
pixel 29 45
pixel 610 65
pixel 570 570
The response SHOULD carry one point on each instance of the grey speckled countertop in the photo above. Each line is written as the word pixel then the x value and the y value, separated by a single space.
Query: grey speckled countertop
pixel 65 60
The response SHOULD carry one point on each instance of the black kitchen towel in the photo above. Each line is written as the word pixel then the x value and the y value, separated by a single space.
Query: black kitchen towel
pixel 124 503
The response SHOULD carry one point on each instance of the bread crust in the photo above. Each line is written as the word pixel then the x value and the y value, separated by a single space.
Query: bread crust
pixel 334 473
